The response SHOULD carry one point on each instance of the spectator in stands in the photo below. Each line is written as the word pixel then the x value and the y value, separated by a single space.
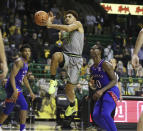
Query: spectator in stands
pixel 36 50
pixel 126 56
pixel 118 53
pixel 84 68
pixel 108 53
pixel 139 71
pixel 80 94
pixel 121 70
pixel 130 70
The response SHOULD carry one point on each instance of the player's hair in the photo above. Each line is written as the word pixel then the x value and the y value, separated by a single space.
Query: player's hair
pixel 100 47
pixel 24 46
pixel 74 13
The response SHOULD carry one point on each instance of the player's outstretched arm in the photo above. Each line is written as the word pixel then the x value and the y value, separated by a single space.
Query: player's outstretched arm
pixel 139 43
pixel 3 62
pixel 68 28
pixel 26 83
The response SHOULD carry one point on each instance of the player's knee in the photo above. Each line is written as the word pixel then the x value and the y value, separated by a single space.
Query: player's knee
pixel 7 112
pixel 105 115
pixel 73 81
pixel 56 56
pixel 95 115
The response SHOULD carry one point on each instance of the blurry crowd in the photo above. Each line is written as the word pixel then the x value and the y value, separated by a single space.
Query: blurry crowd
pixel 18 27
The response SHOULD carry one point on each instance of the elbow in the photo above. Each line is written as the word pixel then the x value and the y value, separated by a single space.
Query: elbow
pixel 141 32
pixel 115 81
pixel 68 30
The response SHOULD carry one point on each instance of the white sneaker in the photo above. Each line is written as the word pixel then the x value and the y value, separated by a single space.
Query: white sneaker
pixel 0 129
pixel 24 130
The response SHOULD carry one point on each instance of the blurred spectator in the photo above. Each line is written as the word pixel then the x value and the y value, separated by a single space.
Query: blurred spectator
pixel 118 53
pixel 55 9
pixel 108 53
pixel 126 56
pixel 130 69
pixel 84 68
pixel 139 71
pixel 36 47
pixel 121 70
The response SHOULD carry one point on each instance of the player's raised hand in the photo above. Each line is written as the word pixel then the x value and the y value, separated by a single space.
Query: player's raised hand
pixel 135 60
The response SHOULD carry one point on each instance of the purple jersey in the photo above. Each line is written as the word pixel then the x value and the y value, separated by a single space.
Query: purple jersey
pixel 19 77
pixel 101 78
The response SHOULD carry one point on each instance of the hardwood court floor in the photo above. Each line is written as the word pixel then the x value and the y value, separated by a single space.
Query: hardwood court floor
pixel 48 126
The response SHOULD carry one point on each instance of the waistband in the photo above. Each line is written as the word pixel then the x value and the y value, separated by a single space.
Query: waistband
pixel 73 55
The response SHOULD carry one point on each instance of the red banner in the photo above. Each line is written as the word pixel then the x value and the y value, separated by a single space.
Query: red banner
pixel 123 9
pixel 128 111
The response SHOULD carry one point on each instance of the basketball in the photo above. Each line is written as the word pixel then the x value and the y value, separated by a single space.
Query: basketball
pixel 40 16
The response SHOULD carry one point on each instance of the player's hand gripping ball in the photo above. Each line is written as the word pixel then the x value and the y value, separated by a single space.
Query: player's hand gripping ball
pixel 41 16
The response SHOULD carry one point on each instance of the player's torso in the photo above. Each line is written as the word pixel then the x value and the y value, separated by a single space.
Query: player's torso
pixel 73 42
pixel 100 76
pixel 19 77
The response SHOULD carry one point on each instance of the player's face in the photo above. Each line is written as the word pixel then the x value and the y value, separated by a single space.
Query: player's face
pixel 69 19
pixel 95 51
pixel 26 53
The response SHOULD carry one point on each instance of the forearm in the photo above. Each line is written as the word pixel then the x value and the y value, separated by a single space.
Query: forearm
pixel 110 85
pixel 26 83
pixel 139 42
pixel 2 50
pixel 59 27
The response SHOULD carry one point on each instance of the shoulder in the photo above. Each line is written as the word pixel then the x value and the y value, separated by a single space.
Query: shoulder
pixel 19 62
pixel 141 31
pixel 107 65
pixel 77 23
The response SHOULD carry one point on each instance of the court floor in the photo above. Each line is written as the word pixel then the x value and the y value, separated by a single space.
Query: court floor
pixel 49 126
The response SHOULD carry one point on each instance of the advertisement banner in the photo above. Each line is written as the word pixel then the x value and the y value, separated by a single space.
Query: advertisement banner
pixel 124 9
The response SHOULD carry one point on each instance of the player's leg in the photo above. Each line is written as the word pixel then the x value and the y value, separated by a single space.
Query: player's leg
pixel 23 111
pixel 140 123
pixel 73 76
pixel 8 109
pixel 9 105
pixel 97 115
pixel 57 58
pixel 107 107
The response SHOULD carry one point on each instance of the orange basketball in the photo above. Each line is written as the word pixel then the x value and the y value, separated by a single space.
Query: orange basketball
pixel 40 16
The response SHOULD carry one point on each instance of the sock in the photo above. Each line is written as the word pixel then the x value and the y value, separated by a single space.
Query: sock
pixel 22 126
pixel 53 77
pixel 72 104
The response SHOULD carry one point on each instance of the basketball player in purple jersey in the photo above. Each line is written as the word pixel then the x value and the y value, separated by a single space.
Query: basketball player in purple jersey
pixel 107 93
pixel 135 63
pixel 13 88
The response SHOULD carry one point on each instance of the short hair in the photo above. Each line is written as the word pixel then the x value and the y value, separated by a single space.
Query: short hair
pixel 74 13
pixel 24 46
pixel 101 48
